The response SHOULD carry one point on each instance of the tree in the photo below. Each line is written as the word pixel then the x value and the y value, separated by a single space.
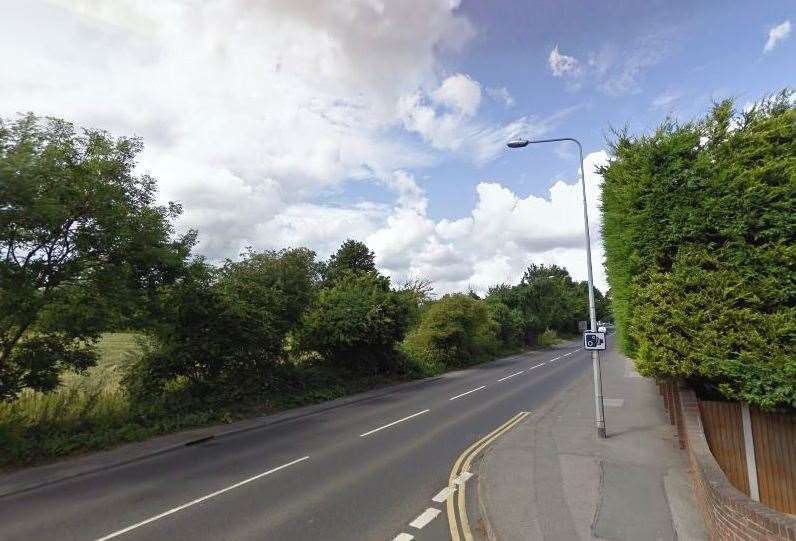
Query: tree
pixel 81 241
pixel 228 325
pixel 357 322
pixel 454 331
pixel 352 257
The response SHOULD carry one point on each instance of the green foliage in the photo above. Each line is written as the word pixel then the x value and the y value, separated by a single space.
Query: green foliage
pixel 454 331
pixel 547 298
pixel 81 243
pixel 699 225
pixel 228 326
pixel 352 257
pixel 510 322
pixel 548 338
pixel 357 322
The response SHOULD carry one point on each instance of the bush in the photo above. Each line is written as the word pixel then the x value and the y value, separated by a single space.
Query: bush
pixel 227 327
pixel 357 322
pixel 454 331
pixel 699 225
pixel 547 338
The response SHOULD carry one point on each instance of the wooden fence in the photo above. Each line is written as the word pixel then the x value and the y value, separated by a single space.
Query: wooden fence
pixel 774 438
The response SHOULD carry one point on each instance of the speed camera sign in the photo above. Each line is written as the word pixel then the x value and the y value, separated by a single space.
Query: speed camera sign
pixel 594 340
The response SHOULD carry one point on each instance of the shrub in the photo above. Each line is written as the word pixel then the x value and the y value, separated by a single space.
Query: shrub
pixel 357 322
pixel 699 225
pixel 227 327
pixel 453 331
pixel 547 338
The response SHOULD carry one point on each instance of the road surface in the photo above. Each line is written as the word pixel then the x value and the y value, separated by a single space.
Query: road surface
pixel 368 470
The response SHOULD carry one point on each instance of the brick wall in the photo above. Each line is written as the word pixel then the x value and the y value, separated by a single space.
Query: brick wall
pixel 729 514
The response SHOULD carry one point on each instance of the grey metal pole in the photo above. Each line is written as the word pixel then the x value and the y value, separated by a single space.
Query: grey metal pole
pixel 595 357
pixel 599 411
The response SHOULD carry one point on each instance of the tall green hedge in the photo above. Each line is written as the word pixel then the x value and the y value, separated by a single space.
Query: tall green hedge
pixel 699 225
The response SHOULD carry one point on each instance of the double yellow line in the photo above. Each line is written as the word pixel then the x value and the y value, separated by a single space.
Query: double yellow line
pixel 461 465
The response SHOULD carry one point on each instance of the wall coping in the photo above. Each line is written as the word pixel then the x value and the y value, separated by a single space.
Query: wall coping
pixel 777 523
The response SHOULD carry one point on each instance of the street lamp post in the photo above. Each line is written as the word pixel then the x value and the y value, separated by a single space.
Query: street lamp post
pixel 595 358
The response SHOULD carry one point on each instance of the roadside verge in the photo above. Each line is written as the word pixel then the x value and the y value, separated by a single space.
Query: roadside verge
pixel 27 479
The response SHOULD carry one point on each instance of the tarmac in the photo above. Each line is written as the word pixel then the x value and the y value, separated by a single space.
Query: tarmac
pixel 552 478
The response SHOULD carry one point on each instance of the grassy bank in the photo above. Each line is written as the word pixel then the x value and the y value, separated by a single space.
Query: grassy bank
pixel 92 412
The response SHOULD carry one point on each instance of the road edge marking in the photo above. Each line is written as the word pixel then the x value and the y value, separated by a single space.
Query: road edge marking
pixel 462 502
pixel 451 511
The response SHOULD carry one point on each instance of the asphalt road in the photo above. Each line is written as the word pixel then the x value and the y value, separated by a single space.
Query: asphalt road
pixel 341 474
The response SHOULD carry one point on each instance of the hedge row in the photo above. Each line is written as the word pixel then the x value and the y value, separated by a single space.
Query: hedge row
pixel 699 225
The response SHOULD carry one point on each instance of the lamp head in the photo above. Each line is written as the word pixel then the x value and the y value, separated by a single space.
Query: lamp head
pixel 517 143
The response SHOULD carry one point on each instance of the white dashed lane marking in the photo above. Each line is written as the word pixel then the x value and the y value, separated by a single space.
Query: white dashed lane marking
pixel 443 494
pixel 462 478
pixel 512 375
pixel 199 500
pixel 468 392
pixel 388 425
pixel 424 518
pixel 403 537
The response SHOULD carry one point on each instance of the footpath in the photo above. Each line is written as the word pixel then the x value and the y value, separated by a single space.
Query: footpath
pixel 551 478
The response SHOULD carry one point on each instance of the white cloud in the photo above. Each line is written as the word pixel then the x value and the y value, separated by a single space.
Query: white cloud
pixel 498 239
pixel 250 111
pixel 613 70
pixel 249 106
pixel 776 34
pixel 460 93
pixel 665 100
pixel 501 94
pixel 447 119
pixel 562 65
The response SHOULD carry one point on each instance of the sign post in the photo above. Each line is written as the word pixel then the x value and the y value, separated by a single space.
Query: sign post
pixel 594 341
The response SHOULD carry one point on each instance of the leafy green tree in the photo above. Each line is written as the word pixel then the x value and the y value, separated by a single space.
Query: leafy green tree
pixel 510 321
pixel 81 245
pixel 352 257
pixel 358 321
pixel 454 331
pixel 699 222
pixel 228 326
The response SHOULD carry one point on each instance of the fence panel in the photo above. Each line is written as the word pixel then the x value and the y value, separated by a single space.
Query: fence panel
pixel 774 435
pixel 724 432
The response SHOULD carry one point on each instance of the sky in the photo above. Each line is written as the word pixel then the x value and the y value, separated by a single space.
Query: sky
pixel 285 123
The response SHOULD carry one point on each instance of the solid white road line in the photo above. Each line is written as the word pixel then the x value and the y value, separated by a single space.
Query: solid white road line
pixel 388 425
pixel 462 478
pixel 424 518
pixel 536 366
pixel 403 537
pixel 553 360
pixel 512 375
pixel 443 494
pixel 199 500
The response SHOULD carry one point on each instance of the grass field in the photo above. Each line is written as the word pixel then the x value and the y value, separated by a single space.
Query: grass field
pixel 40 425
pixel 115 350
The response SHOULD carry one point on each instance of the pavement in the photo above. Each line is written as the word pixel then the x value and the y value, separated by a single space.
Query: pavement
pixel 384 465
pixel 551 478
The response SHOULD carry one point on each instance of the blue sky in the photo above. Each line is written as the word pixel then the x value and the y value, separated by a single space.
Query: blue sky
pixel 301 123
pixel 708 51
